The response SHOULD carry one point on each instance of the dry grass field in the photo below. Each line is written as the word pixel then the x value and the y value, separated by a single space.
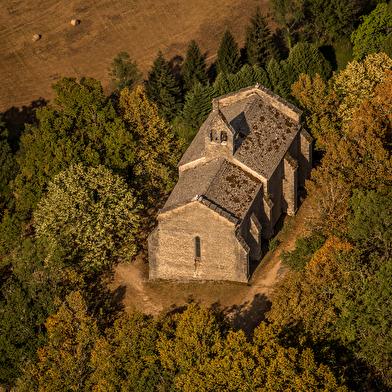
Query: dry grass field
pixel 139 27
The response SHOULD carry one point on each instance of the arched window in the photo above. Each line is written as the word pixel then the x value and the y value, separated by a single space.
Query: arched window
pixel 197 248
pixel 223 136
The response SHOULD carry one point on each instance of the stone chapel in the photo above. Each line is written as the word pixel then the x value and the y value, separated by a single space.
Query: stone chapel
pixel 240 173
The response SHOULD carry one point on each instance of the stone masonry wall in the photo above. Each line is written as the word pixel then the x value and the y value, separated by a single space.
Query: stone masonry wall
pixel 275 192
pixel 173 246
pixel 290 185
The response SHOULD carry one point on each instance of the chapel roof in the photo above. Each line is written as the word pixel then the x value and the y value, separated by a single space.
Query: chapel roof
pixel 220 185
pixel 264 124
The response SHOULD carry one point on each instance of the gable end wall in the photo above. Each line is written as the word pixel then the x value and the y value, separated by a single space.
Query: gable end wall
pixel 173 245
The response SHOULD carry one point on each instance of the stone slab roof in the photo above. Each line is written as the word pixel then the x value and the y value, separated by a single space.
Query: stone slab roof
pixel 234 189
pixel 264 124
pixel 264 135
pixel 220 185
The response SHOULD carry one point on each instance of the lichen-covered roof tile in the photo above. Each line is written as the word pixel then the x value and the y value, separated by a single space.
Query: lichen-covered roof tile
pixel 264 134
pixel 233 188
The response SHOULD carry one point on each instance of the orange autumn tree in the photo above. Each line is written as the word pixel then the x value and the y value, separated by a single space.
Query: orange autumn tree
pixel 303 303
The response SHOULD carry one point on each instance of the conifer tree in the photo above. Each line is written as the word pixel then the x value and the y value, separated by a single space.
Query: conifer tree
pixel 197 106
pixel 222 84
pixel 228 56
pixel 278 78
pixel 124 72
pixel 194 69
pixel 259 46
pixel 162 88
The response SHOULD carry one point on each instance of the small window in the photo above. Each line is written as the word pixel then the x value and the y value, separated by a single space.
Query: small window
pixel 223 137
pixel 197 248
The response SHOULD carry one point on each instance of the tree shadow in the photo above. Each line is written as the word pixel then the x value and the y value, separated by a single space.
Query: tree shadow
pixel 15 119
pixel 328 52
pixel 248 315
pixel 148 223
pixel 176 64
pixel 105 304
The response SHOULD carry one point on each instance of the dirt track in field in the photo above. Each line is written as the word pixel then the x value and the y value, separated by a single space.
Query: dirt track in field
pixel 138 27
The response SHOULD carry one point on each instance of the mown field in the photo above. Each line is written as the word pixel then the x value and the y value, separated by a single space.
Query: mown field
pixel 138 27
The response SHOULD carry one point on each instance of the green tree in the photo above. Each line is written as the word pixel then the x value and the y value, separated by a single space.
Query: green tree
pixel 364 301
pixel 305 58
pixel 329 20
pixel 259 45
pixel 370 35
pixel 278 78
pixel 228 56
pixel 289 15
pixel 194 68
pixel 31 280
pixel 80 126
pixel 8 165
pixel 124 72
pixel 246 76
pixel 91 213
pixel 162 88
pixel 197 106
pixel 371 222
pixel 304 249
pixel 158 148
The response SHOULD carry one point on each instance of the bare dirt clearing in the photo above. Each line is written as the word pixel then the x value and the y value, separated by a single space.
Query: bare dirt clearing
pixel 140 28
pixel 243 304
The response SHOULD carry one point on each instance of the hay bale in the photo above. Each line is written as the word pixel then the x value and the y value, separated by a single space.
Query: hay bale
pixel 36 37
pixel 75 22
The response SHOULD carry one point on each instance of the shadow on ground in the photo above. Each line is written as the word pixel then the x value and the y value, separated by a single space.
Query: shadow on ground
pixel 15 118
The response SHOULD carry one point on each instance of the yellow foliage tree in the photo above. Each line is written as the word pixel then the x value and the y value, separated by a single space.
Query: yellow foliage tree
pixel 158 148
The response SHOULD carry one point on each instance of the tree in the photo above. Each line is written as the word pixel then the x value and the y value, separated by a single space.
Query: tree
pixel 9 168
pixel 278 78
pixel 328 20
pixel 126 358
pixel 197 106
pixel 80 127
pixel 371 222
pixel 259 45
pixel 304 307
pixel 329 105
pixel 370 35
pixel 8 165
pixel 194 68
pixel 31 281
pixel 289 15
pixel 246 76
pixel 162 88
pixel 228 57
pixel 363 300
pixel 305 58
pixel 64 362
pixel 124 72
pixel 304 249
pixel 91 213
pixel 358 81
pixel 158 147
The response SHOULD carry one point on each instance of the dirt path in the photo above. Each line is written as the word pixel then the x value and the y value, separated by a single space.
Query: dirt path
pixel 244 304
